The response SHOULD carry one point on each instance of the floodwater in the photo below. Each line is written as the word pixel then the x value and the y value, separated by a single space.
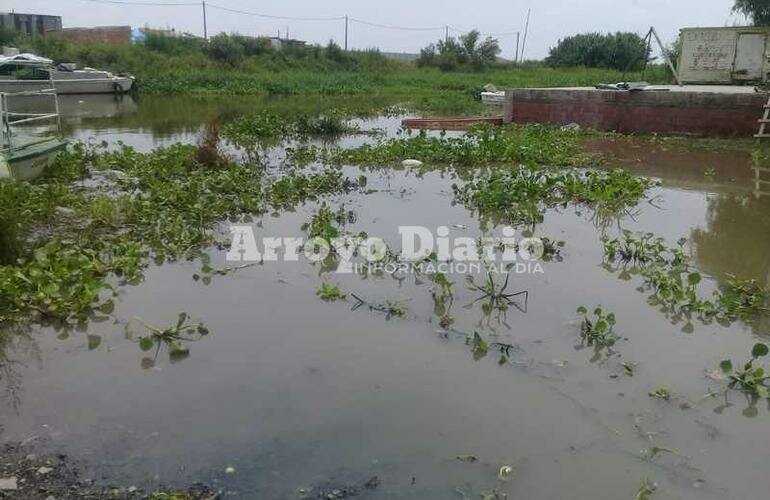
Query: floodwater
pixel 296 393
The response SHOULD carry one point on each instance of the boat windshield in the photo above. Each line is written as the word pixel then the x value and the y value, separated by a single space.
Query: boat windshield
pixel 24 71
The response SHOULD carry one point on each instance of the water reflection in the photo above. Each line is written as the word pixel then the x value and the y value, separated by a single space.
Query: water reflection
pixel 736 239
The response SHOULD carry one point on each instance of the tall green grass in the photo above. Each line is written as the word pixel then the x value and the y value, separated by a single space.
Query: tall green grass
pixel 189 66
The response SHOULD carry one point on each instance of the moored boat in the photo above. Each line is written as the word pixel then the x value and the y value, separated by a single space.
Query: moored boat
pixel 25 155
pixel 28 72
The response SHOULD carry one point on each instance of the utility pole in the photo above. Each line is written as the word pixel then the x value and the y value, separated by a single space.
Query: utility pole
pixel 446 34
pixel 516 59
pixel 526 30
pixel 205 29
pixel 346 33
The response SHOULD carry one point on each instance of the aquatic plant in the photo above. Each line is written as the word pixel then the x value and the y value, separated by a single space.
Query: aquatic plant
pixel 496 294
pixel 57 281
pixel 330 292
pixel 668 273
pixel 646 490
pixel 483 145
pixel 71 244
pixel 479 346
pixel 251 130
pixel 175 337
pixel 209 152
pixel 326 224
pixel 750 379
pixel 443 299
pixel 391 308
pixel 597 330
pixel 520 195
pixel 661 393
pixel 297 187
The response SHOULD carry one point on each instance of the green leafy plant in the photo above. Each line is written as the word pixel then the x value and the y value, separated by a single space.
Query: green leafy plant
pixel 496 295
pixel 479 346
pixel 621 51
pixel 443 299
pixel 661 393
pixel 668 274
pixel 750 379
pixel 330 292
pixel 597 330
pixel 520 196
pixel 646 490
pixel 175 337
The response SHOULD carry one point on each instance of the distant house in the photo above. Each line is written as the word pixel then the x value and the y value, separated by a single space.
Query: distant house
pixel 729 55
pixel 281 43
pixel 119 35
pixel 30 24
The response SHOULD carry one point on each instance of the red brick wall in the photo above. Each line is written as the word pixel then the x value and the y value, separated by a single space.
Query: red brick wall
pixel 120 35
pixel 698 113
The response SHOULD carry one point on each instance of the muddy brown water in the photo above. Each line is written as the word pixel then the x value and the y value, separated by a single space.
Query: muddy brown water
pixel 295 393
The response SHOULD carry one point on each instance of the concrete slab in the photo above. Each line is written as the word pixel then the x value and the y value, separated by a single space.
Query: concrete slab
pixel 714 89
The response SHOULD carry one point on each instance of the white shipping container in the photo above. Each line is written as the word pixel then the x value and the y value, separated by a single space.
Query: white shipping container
pixel 724 55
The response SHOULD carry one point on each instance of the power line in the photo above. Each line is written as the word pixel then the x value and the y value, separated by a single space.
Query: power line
pixel 152 4
pixel 268 16
pixel 401 28
pixel 506 33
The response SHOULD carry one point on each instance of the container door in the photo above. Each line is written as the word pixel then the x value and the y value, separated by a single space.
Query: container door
pixel 749 56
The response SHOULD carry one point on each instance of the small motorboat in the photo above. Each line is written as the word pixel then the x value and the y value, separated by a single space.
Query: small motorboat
pixel 25 151
pixel 28 72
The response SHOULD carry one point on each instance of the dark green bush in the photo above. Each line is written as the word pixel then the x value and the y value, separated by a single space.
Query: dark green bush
pixel 225 48
pixel 620 51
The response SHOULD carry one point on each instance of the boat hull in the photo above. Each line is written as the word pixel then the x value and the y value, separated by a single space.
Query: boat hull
pixel 30 161
pixel 116 85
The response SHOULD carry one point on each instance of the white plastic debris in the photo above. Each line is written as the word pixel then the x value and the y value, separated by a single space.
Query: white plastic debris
pixel 411 163
pixel 8 484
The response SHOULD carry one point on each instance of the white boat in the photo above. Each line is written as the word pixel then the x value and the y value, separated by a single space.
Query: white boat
pixel 24 151
pixel 493 98
pixel 28 72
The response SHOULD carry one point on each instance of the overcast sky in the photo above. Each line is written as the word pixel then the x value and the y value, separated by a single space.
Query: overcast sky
pixel 551 19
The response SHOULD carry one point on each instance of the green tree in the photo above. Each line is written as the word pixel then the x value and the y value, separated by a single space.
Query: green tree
pixel 620 51
pixel 467 52
pixel 758 11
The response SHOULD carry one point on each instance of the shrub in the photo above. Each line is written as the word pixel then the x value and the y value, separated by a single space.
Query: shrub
pixel 463 53
pixel 226 49
pixel 620 51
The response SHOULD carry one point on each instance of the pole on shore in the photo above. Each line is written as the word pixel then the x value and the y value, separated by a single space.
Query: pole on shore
pixel 205 28
pixel 346 32
pixel 516 59
pixel 526 31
